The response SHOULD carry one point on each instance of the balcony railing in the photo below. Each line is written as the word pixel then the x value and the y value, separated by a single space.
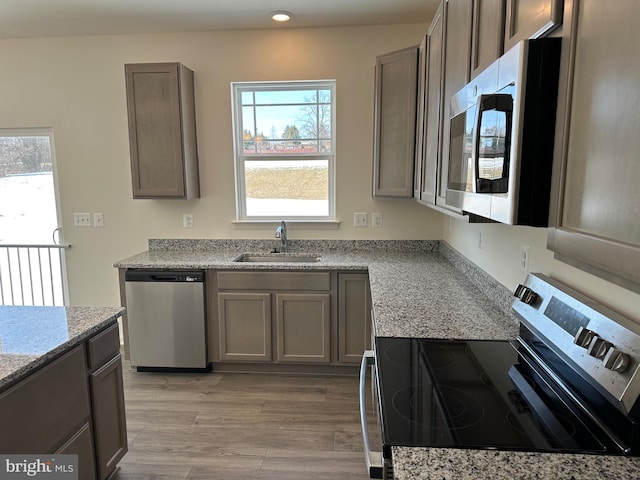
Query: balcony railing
pixel 33 275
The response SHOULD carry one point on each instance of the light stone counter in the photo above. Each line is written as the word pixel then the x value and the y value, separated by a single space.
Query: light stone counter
pixel 418 289
pixel 31 336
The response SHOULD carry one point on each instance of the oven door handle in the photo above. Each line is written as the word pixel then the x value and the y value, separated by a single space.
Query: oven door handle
pixel 373 459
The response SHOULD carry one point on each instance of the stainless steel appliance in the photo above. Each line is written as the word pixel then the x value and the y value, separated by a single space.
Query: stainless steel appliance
pixel 502 135
pixel 568 384
pixel 166 319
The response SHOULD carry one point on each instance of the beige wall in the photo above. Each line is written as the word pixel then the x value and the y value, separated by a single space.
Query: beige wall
pixel 500 257
pixel 76 86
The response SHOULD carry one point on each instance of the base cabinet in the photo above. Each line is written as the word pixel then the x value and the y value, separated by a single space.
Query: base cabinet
pixel 72 405
pixel 107 397
pixel 244 326
pixel 303 318
pixel 354 317
pixel 303 327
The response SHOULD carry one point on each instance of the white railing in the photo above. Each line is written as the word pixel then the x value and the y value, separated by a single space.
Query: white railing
pixel 33 275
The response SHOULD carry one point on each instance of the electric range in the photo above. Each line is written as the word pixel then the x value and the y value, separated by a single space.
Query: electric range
pixel 568 384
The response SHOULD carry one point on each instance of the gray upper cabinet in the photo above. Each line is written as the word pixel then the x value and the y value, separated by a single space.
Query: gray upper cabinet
pixel 598 203
pixel 488 34
pixel 458 16
pixel 420 116
pixel 530 19
pixel 433 109
pixel 395 123
pixel 162 130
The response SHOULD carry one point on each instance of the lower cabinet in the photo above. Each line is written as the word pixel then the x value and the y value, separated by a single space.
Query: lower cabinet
pixel 354 316
pixel 303 328
pixel 244 326
pixel 72 405
pixel 110 431
pixel 289 317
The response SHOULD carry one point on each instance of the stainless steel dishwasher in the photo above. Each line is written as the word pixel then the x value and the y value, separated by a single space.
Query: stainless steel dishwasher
pixel 166 319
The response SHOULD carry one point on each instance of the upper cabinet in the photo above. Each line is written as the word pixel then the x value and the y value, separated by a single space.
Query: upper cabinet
pixel 431 128
pixel 395 123
pixel 487 34
pixel 162 130
pixel 458 16
pixel 530 19
pixel 598 202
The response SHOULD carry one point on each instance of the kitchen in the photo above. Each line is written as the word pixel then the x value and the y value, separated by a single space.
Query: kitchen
pixel 76 86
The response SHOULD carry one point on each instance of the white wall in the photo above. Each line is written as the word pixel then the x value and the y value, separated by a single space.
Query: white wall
pixel 500 258
pixel 76 86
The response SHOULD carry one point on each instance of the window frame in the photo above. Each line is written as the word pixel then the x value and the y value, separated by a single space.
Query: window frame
pixel 237 88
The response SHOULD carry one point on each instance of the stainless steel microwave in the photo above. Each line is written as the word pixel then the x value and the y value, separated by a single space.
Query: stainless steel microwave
pixel 502 134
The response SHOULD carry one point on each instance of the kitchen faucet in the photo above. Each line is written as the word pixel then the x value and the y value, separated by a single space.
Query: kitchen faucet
pixel 281 233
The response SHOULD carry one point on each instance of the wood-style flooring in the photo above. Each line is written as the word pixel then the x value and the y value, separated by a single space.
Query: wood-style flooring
pixel 241 426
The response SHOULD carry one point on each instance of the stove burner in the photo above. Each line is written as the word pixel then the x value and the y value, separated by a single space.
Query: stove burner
pixel 447 408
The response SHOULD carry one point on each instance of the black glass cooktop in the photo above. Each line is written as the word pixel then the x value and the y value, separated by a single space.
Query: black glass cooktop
pixel 473 394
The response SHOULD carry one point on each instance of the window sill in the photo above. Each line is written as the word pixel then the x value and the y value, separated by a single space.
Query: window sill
pixel 271 224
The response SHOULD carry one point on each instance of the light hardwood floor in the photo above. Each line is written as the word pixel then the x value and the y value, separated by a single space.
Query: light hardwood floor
pixel 241 426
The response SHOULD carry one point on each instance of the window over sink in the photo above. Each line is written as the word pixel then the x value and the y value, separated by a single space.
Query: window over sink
pixel 284 149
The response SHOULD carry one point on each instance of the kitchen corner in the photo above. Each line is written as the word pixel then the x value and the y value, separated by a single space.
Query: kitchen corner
pixel 418 289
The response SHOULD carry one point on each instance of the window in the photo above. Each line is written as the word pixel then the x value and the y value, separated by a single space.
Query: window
pixel 284 145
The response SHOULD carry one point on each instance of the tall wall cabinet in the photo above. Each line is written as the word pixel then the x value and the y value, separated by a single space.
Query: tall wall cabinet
pixel 395 123
pixel 598 207
pixel 162 130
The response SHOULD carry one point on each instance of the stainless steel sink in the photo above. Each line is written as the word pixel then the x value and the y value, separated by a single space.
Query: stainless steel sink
pixel 279 258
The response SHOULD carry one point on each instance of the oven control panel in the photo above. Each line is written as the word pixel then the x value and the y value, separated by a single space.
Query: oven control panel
pixel 602 345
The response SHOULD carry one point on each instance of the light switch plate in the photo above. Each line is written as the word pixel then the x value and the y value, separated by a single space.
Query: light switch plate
pixel 360 219
pixel 98 220
pixel 82 219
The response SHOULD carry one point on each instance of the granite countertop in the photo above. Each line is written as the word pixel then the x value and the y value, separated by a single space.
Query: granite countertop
pixel 31 336
pixel 418 289
pixel 415 289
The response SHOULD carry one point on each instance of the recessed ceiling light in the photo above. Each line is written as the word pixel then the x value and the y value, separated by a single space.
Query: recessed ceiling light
pixel 281 16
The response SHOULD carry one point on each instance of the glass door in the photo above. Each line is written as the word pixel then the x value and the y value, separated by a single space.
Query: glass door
pixel 32 266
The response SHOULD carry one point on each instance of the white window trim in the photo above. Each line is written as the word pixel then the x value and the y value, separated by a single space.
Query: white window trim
pixel 239 159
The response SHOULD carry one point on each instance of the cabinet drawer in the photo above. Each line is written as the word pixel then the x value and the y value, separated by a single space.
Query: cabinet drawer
pixel 103 346
pixel 274 281
pixel 46 408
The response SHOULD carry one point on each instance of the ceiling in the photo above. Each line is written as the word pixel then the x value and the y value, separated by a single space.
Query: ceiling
pixel 38 18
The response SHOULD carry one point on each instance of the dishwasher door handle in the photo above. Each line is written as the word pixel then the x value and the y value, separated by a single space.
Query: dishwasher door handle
pixel 373 459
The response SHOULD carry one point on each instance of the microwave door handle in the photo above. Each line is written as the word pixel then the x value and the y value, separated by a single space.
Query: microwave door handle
pixel 475 146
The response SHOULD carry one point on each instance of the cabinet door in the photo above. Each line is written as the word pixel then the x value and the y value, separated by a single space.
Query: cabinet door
pixel 395 123
pixel 433 88
pixel 420 117
pixel 488 34
pixel 162 140
pixel 598 207
pixel 81 444
pixel 457 16
pixel 530 19
pixel 354 316
pixel 109 422
pixel 303 327
pixel 244 325
pixel 44 410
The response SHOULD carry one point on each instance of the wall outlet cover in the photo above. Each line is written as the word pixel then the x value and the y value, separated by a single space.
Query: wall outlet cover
pixel 376 220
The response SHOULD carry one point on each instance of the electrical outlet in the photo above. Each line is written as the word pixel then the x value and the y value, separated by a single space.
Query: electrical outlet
pixel 524 258
pixel 360 219
pixel 187 220
pixel 98 220
pixel 82 219
pixel 376 220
